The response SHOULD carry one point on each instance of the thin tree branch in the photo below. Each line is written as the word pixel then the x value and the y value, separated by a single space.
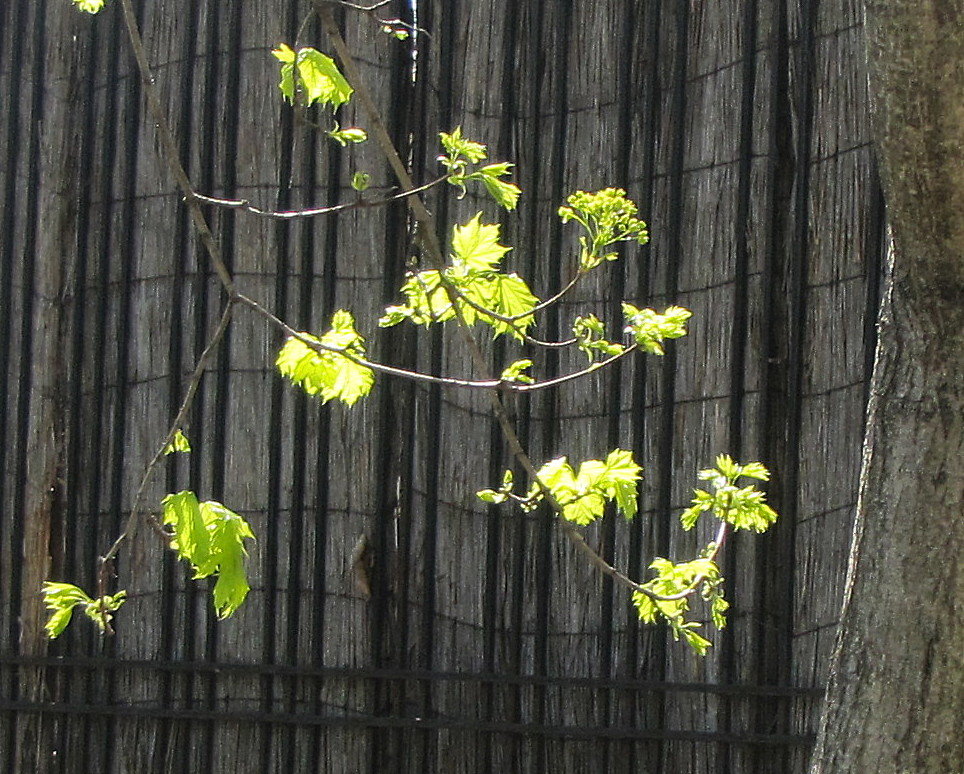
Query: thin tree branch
pixel 131 526
pixel 536 386
pixel 403 373
pixel 549 301
pixel 170 154
pixel 370 10
pixel 245 204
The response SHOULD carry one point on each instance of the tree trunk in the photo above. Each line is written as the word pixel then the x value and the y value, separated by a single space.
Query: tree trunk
pixel 897 692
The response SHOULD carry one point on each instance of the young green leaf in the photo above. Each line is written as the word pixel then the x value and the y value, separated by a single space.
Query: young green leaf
pixel 179 443
pixel 621 478
pixel 352 134
pixel 61 599
pixel 319 79
pixel 191 539
pixel 360 181
pixel 89 6
pixel 475 246
pixel 491 496
pixel 228 533
pixel 211 538
pixel 515 372
pixel 718 608
pixel 330 374
pixel 457 146
pixel 651 328
pixel 505 194
pixel 509 296
pixel 693 639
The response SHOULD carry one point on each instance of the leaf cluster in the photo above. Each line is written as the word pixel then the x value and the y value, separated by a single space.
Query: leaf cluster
pixel 590 335
pixel 482 293
pixel 61 599
pixel 582 495
pixel 741 507
pixel 608 217
pixel 460 153
pixel 675 582
pixel 650 328
pixel 333 370
pixel 210 537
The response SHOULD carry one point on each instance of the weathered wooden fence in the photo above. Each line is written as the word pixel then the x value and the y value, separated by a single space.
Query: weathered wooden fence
pixel 486 644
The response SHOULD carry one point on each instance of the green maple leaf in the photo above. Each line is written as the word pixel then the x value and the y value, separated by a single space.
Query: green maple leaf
pixel 509 295
pixel 476 247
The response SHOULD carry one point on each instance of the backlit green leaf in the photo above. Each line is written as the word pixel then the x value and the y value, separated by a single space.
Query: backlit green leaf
pixel 352 134
pixel 456 145
pixel 182 512
pixel 360 181
pixel 228 534
pixel 329 374
pixel 210 536
pixel 475 246
pixel 60 599
pixel 516 373
pixel 88 6
pixel 319 79
pixel 179 443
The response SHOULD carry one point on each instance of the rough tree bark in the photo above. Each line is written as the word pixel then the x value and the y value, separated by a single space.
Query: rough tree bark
pixel 896 697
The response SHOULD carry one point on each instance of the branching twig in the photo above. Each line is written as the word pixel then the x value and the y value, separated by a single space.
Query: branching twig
pixel 370 10
pixel 434 251
pixel 427 236
pixel 244 204
pixel 403 373
pixel 131 526
pixel 721 533
pixel 536 386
